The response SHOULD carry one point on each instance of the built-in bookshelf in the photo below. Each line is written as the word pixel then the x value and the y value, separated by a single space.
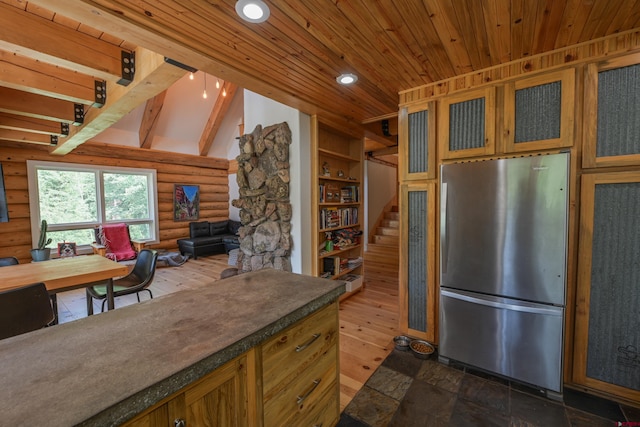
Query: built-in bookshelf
pixel 338 203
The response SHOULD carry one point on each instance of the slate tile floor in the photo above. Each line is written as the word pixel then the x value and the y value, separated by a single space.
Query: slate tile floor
pixel 406 391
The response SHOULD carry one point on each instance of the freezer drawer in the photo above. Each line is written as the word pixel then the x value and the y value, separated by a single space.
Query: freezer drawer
pixel 513 338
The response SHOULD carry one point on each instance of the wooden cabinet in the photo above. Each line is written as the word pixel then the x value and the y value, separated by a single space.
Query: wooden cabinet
pixel 300 372
pixel 337 172
pixel 539 112
pixel 290 379
pixel 219 399
pixel 417 261
pixel 466 124
pixel 418 135
pixel 612 106
pixel 607 343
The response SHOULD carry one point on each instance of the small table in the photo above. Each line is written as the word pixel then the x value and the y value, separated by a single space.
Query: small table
pixel 65 274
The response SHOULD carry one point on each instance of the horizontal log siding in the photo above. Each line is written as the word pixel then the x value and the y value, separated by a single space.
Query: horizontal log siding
pixel 210 174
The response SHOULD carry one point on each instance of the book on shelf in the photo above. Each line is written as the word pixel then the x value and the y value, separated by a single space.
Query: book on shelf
pixel 331 264
pixel 333 217
pixel 354 262
pixel 349 194
pixel 329 192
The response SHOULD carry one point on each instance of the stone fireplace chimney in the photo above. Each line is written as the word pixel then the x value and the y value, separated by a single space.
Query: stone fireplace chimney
pixel 265 209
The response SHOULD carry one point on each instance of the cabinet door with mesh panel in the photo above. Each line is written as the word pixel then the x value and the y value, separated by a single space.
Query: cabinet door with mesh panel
pixel 607 342
pixel 418 142
pixel 612 107
pixel 417 261
pixel 539 112
pixel 466 124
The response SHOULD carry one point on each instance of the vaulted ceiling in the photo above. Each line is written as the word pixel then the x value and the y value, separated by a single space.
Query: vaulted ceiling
pixel 53 52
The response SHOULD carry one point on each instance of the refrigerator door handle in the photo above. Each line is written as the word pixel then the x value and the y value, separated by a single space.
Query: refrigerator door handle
pixel 491 302
pixel 444 246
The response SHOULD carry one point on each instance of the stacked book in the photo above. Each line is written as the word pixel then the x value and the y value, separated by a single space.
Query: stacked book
pixel 338 217
pixel 354 262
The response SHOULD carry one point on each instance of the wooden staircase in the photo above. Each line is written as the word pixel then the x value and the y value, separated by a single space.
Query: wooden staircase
pixel 381 257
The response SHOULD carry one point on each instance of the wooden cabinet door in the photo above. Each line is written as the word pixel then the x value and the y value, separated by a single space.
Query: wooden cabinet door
pixel 417 261
pixel 221 398
pixel 611 110
pixel 466 124
pixel 607 342
pixel 418 141
pixel 163 415
pixel 539 112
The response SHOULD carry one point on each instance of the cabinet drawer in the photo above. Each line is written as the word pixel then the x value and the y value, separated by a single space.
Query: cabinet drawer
pixel 298 399
pixel 326 412
pixel 290 353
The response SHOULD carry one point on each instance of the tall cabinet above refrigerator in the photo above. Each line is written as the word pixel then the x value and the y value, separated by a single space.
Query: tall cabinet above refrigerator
pixel 503 260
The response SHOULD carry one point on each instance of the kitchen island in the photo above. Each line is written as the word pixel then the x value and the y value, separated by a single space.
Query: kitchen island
pixel 268 330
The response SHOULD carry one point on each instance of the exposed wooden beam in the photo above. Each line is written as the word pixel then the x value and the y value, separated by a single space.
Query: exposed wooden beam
pixel 377 137
pixel 22 73
pixel 38 106
pixel 115 17
pixel 215 118
pixel 153 75
pixel 385 151
pixel 30 137
pixel 29 124
pixel 30 35
pixel 113 151
pixel 150 119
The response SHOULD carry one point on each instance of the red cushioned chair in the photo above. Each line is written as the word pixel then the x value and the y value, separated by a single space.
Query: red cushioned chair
pixel 114 242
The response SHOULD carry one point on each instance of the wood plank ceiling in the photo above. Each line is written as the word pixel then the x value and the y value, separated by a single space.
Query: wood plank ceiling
pixel 53 51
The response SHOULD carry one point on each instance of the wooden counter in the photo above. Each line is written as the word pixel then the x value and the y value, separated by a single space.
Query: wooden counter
pixel 105 369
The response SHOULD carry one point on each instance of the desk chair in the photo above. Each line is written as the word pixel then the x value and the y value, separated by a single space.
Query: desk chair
pixel 24 309
pixel 133 283
pixel 10 260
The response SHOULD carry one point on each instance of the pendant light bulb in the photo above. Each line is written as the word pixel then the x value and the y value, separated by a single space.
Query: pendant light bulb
pixel 204 92
pixel 217 83
pixel 190 76
pixel 224 91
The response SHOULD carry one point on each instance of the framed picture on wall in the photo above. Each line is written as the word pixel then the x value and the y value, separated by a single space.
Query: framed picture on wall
pixel 186 202
pixel 4 207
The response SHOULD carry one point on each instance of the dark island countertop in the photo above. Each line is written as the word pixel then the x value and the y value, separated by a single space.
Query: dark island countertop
pixel 104 369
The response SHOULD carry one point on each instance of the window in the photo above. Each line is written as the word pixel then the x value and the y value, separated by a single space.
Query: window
pixel 76 198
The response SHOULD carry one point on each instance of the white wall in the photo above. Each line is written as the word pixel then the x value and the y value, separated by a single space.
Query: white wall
pixel 380 187
pixel 181 121
pixel 259 110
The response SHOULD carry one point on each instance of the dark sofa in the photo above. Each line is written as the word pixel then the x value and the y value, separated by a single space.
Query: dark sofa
pixel 207 238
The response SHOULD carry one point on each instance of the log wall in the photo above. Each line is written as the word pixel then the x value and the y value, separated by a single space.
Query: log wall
pixel 172 168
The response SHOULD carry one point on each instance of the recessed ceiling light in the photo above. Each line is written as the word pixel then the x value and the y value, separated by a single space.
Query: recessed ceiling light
pixel 347 79
pixel 255 11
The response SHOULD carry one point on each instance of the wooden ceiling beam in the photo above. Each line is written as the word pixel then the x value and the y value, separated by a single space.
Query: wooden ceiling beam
pixel 30 137
pixel 385 151
pixel 149 120
pixel 153 76
pixel 41 39
pixel 29 124
pixel 26 74
pixel 31 105
pixel 225 51
pixel 218 112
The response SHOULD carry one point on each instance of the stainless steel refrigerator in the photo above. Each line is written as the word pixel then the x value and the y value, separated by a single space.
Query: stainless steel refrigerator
pixel 503 256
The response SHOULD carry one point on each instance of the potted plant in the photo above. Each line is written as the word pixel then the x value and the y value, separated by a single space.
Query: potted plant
pixel 42 252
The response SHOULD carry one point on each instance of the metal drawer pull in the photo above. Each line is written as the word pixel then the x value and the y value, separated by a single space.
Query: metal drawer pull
pixel 179 422
pixel 301 399
pixel 299 348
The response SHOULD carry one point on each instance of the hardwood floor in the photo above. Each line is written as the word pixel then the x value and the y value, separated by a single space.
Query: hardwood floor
pixel 368 319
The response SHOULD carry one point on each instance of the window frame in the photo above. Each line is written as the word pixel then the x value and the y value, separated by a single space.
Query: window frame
pixel 33 166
